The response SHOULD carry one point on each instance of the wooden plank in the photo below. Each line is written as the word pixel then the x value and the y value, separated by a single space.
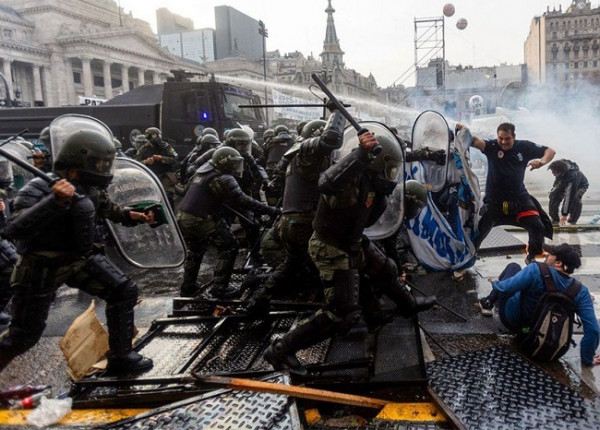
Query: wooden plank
pixel 294 391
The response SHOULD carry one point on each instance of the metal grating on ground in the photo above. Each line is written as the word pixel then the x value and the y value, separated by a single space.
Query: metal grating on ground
pixel 222 409
pixel 399 355
pixel 500 240
pixel 202 345
pixel 498 389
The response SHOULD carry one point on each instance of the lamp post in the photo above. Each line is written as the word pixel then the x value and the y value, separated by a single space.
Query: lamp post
pixel 264 33
pixel 325 76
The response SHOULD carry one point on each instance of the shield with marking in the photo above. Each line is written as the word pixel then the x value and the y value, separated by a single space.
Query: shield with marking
pixel 431 130
pixel 389 222
pixel 135 186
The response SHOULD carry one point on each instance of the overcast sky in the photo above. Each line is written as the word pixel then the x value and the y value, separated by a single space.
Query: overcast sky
pixel 377 36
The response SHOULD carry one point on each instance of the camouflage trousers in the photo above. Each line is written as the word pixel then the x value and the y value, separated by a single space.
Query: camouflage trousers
pixel 295 231
pixel 201 232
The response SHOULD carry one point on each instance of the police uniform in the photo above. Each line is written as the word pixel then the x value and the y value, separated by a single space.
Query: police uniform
pixel 165 168
pixel 202 222
pixel 59 250
pixel 302 166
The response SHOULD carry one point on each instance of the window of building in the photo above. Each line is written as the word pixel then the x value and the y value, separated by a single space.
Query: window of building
pixel 116 83
pixel 567 66
pixel 576 65
pixel 77 77
pixel 98 81
pixel 595 63
pixel 585 64
pixel 554 34
pixel 7 33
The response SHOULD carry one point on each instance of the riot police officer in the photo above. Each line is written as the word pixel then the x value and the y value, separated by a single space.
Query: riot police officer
pixel 161 158
pixel 301 167
pixel 353 197
pixel 204 143
pixel 202 222
pixel 60 248
pixel 276 147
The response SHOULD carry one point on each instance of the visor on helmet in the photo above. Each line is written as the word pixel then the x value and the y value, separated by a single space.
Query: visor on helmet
pixel 237 167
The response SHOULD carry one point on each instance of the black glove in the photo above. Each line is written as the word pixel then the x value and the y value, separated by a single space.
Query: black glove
pixel 439 156
pixel 331 105
pixel 274 212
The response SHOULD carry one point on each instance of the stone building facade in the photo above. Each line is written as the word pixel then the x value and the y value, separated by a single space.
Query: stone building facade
pixel 563 48
pixel 55 51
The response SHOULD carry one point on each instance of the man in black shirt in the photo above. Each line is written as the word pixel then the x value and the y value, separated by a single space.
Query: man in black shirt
pixel 506 199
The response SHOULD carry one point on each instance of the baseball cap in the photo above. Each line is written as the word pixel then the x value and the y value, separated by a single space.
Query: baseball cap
pixel 566 254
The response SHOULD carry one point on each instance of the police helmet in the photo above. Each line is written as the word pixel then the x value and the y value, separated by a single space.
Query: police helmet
pixel 389 160
pixel 45 136
pixel 209 130
pixel 153 133
pixel 300 127
pixel 140 141
pixel 268 134
pixel 313 128
pixel 415 198
pixel 92 153
pixel 239 139
pixel 118 144
pixel 228 160
pixel 209 141
pixel 281 129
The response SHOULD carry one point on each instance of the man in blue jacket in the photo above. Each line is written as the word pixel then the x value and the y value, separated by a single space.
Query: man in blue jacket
pixel 517 292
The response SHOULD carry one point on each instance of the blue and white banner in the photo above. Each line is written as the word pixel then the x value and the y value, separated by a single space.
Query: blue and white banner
pixel 443 235
pixel 295 112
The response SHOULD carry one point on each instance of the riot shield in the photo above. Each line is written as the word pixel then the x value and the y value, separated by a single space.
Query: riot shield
pixel 392 218
pixel 135 186
pixel 20 175
pixel 431 130
pixel 64 125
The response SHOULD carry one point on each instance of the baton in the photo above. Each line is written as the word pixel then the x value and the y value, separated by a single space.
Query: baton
pixel 339 106
pixel 14 137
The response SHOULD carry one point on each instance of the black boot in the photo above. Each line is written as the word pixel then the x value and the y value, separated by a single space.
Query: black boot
pixel 121 358
pixel 260 304
pixel 127 364
pixel 282 357
pixel 282 352
pixel 406 303
pixel 188 290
